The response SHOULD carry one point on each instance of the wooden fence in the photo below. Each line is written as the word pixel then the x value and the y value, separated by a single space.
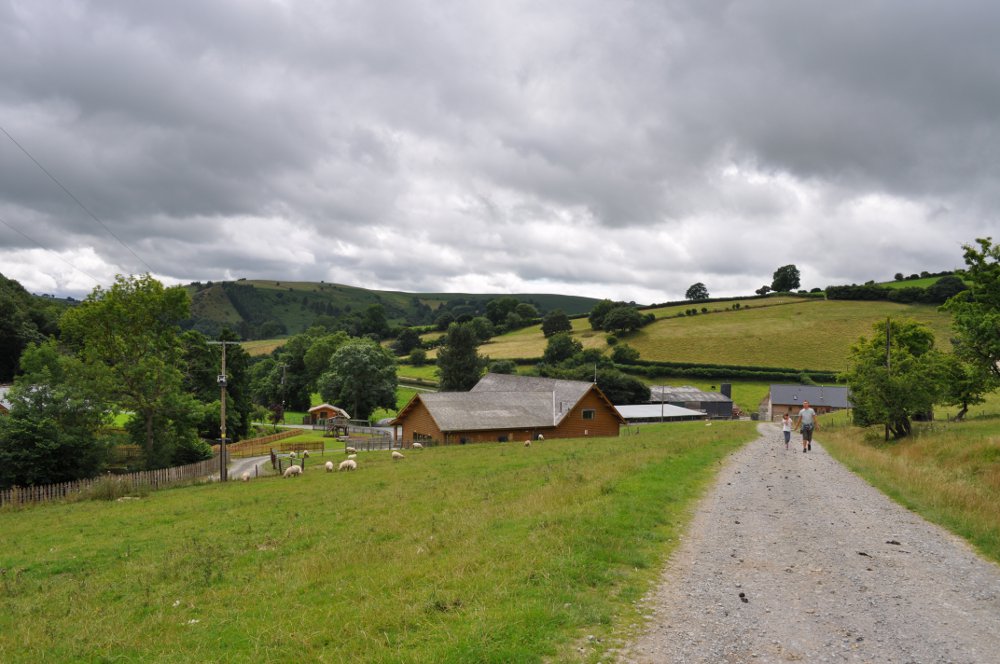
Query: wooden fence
pixel 257 446
pixel 120 484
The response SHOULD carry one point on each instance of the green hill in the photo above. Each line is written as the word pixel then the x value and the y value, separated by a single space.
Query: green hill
pixel 268 309
pixel 769 332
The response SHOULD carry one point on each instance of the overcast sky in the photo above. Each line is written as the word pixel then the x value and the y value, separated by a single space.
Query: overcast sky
pixel 606 149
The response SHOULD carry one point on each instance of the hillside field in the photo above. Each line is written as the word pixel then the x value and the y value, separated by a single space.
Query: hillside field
pixel 786 332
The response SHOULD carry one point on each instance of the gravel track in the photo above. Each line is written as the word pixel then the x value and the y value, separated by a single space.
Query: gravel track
pixel 791 557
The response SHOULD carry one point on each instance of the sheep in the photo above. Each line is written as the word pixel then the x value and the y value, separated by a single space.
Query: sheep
pixel 245 476
pixel 352 456
pixel 291 455
pixel 329 466
pixel 349 450
pixel 305 454
pixel 396 456
pixel 541 437
pixel 527 443
pixel 418 446
pixel 348 464
pixel 292 471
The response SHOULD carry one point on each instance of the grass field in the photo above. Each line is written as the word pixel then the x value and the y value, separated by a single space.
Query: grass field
pixel 485 553
pixel 949 472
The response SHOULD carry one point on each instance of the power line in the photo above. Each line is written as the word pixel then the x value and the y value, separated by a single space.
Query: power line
pixel 43 247
pixel 75 199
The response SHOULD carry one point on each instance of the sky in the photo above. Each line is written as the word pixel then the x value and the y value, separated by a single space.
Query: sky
pixel 607 149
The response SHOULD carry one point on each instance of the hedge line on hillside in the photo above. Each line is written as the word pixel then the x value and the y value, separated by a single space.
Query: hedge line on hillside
pixel 651 369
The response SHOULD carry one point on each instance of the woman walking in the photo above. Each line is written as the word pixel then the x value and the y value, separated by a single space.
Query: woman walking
pixel 786 428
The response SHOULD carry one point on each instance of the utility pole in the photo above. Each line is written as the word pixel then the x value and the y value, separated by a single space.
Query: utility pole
pixel 223 474
pixel 888 367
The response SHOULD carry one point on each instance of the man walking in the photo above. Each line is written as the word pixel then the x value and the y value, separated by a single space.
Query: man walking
pixel 806 418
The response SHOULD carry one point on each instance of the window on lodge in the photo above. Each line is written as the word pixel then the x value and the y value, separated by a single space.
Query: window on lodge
pixel 589 414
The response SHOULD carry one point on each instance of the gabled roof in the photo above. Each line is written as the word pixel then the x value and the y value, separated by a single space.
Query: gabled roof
pixel 500 401
pixel 817 395
pixel 685 393
pixel 325 406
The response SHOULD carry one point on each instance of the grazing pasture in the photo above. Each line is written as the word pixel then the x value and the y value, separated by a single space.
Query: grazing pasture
pixel 486 553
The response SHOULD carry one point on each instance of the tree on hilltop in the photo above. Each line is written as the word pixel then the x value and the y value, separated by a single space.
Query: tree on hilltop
pixel 785 279
pixel 697 292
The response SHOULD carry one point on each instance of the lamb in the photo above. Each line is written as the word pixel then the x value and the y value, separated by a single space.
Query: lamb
pixel 348 464
pixel 396 456
pixel 292 471
pixel 329 466
pixel 541 437
pixel 349 450
pixel 527 443
pixel 245 476
pixel 418 446
pixel 352 456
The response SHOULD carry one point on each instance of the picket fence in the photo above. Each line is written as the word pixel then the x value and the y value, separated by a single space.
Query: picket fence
pixel 126 483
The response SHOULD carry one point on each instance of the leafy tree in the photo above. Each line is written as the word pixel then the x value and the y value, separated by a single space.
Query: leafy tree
pixel 316 358
pixel 763 290
pixel 459 365
pixel 406 341
pixel 132 332
pixel 622 319
pixel 898 276
pixel 374 322
pixel 23 319
pixel 443 321
pixel 785 279
pixel 498 308
pixel 965 384
pixel 503 367
pixel 554 322
pixel 561 347
pixel 696 292
pixel 202 363
pixel 418 357
pixel 526 311
pixel 483 328
pixel 362 377
pixel 51 432
pixel 893 393
pixel 621 388
pixel 624 354
pixel 976 311
pixel 298 385
pixel 945 288
pixel 598 313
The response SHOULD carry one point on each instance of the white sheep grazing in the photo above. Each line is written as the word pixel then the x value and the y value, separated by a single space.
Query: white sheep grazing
pixel 396 456
pixel 329 466
pixel 527 443
pixel 349 450
pixel 245 476
pixel 292 471
pixel 352 456
pixel 348 464
pixel 541 437
pixel 418 446
pixel 291 455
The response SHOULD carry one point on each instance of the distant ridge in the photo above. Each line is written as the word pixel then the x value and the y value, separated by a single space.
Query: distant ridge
pixel 262 309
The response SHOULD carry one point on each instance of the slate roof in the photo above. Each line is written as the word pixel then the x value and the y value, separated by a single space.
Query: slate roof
pixel 685 393
pixel 501 401
pixel 817 395
pixel 649 411
pixel 325 406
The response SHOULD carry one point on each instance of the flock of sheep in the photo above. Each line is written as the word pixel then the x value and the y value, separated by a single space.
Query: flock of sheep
pixel 350 463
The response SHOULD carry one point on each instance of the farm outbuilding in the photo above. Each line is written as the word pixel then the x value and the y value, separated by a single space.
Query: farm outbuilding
pixel 658 412
pixel 783 399
pixel 323 412
pixel 717 405
pixel 508 408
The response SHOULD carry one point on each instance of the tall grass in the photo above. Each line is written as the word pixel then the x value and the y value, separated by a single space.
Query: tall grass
pixel 949 472
pixel 485 553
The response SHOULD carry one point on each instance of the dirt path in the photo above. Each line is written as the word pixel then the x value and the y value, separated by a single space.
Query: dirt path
pixel 829 568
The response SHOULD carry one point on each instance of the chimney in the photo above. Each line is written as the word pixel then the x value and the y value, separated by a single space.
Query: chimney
pixel 727 390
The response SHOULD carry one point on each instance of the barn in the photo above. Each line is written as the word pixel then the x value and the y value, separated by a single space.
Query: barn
pixel 504 408
pixel 783 399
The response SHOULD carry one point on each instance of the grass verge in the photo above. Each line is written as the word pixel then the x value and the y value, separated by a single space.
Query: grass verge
pixel 486 553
